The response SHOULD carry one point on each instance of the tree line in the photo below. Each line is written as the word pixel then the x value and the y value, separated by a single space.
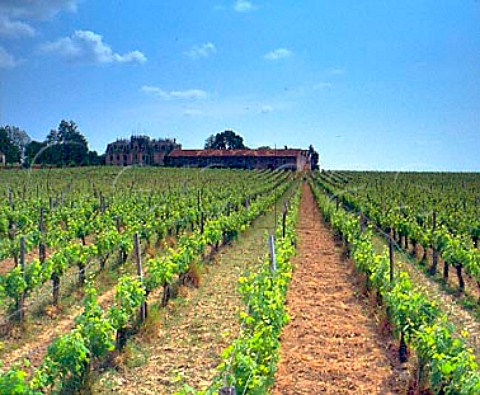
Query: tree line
pixel 67 146
pixel 64 146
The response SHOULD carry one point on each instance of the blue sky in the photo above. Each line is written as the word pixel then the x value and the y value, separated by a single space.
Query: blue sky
pixel 371 84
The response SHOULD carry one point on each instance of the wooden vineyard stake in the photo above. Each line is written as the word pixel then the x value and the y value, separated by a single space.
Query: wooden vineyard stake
pixel 433 269
pixel 273 258
pixel 392 258
pixel 42 249
pixel 198 199
pixel 41 225
pixel 10 199
pixel 21 302
pixel 138 255
pixel 102 203
pixel 55 288
pixel 284 222
pixel 121 255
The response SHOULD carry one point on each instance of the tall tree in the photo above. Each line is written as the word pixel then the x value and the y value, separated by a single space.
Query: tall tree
pixel 11 151
pixel 314 158
pixel 65 146
pixel 35 153
pixel 74 146
pixel 94 159
pixel 52 153
pixel 19 138
pixel 226 140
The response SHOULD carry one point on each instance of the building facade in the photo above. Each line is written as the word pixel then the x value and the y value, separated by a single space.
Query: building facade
pixel 3 159
pixel 139 150
pixel 293 159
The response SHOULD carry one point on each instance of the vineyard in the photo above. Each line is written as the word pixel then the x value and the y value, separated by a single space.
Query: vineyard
pixel 99 265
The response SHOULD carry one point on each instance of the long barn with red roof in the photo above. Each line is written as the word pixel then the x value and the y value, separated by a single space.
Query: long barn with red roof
pixel 293 159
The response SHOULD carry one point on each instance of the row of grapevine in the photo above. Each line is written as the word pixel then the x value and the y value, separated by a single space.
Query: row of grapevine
pixel 456 245
pixel 78 212
pixel 445 364
pixel 249 363
pixel 112 232
pixel 70 358
pixel 454 197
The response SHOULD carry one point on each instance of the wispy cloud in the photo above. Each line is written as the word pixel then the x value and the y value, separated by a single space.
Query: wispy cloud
pixel 85 46
pixel 337 71
pixel 244 6
pixel 277 54
pixel 322 86
pixel 193 113
pixel 189 94
pixel 266 109
pixel 7 60
pixel 11 28
pixel 201 51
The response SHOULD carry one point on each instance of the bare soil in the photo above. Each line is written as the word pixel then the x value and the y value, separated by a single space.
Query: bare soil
pixel 333 343
pixel 185 346
pixel 43 331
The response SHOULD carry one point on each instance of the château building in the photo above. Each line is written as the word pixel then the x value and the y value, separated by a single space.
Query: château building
pixel 139 150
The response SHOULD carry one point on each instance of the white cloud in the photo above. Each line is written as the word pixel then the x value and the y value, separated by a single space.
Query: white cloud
pixel 266 109
pixel 201 51
pixel 189 94
pixel 35 9
pixel 322 85
pixel 277 54
pixel 337 71
pixel 7 60
pixel 85 46
pixel 244 6
pixel 192 113
pixel 11 28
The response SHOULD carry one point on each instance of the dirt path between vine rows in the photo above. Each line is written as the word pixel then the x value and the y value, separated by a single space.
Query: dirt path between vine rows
pixel 194 329
pixel 332 344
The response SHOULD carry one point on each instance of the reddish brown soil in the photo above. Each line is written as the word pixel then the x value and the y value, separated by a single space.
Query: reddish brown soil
pixel 8 264
pixel 332 344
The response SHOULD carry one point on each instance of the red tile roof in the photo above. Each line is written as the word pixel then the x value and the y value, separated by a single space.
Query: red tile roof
pixel 236 153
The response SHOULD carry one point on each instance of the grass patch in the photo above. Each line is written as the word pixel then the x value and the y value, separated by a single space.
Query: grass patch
pixel 134 354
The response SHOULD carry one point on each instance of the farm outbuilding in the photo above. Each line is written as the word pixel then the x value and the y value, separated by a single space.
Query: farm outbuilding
pixel 293 159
